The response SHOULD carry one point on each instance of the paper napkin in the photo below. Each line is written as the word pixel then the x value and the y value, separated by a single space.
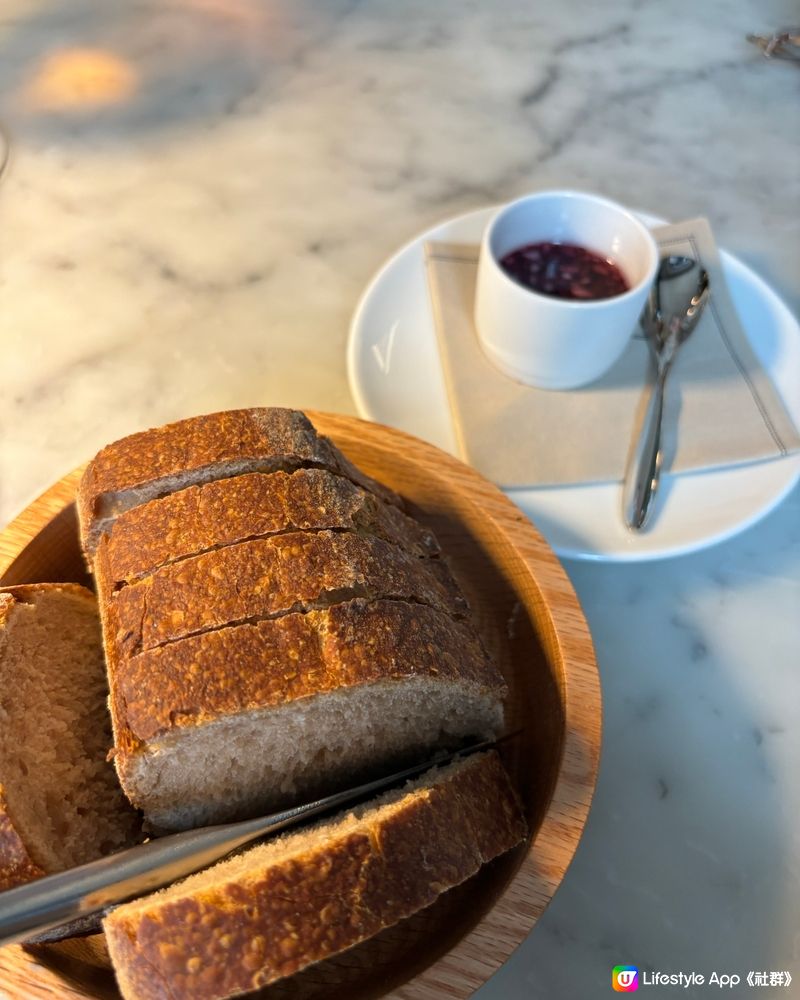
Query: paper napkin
pixel 721 407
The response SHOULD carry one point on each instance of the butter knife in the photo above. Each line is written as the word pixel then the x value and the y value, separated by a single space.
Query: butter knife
pixel 91 888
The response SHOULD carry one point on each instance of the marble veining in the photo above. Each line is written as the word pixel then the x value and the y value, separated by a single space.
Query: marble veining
pixel 197 193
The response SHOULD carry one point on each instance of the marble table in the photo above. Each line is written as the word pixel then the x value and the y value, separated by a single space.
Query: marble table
pixel 197 192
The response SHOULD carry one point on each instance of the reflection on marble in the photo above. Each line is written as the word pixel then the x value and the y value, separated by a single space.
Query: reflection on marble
pixel 199 190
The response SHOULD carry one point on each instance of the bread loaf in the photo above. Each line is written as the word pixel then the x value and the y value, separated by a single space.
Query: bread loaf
pixel 200 518
pixel 235 721
pixel 273 621
pixel 60 801
pixel 202 449
pixel 278 907
pixel 267 577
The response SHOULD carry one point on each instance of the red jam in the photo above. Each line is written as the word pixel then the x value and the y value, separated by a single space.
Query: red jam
pixel 565 271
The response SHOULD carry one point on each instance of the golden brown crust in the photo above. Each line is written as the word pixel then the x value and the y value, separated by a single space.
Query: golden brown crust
pixel 199 679
pixel 249 930
pixel 268 577
pixel 242 936
pixel 200 518
pixel 146 462
pixel 16 865
pixel 6 604
pixel 26 593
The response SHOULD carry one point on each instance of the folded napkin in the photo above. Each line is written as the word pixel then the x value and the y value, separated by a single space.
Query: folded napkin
pixel 720 409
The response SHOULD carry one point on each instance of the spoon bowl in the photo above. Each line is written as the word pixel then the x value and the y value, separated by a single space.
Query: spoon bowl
pixel 670 267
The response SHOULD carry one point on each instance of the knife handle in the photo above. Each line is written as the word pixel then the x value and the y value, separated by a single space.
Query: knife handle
pixel 644 468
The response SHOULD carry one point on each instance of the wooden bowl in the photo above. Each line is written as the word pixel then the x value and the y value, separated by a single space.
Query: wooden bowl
pixel 529 617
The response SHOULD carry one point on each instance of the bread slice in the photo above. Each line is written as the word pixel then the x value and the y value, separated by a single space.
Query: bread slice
pixel 281 906
pixel 161 461
pixel 201 518
pixel 235 721
pixel 60 801
pixel 267 577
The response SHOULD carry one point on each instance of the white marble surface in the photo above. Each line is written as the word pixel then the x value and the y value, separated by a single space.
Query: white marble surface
pixel 188 228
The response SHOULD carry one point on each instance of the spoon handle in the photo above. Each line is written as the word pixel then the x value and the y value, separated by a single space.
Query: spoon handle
pixel 644 467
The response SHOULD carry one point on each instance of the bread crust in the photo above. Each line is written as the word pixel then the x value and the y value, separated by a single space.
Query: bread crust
pixel 26 593
pixel 267 577
pixel 277 661
pixel 16 864
pixel 203 447
pixel 256 927
pixel 226 511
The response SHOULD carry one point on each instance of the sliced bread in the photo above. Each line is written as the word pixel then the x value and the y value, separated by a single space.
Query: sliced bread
pixel 60 802
pixel 232 722
pixel 267 577
pixel 278 907
pixel 200 518
pixel 265 665
pixel 161 461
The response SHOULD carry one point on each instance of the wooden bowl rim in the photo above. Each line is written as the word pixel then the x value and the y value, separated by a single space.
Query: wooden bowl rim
pixel 511 918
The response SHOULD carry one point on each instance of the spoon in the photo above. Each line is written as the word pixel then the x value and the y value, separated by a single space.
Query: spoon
pixel 670 267
pixel 665 338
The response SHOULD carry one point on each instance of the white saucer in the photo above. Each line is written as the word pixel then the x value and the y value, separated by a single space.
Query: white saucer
pixel 396 379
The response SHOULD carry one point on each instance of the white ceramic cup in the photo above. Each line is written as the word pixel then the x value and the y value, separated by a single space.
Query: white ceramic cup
pixel 550 342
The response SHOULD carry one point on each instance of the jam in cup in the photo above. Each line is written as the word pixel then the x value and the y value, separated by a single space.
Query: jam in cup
pixel 563 277
pixel 564 270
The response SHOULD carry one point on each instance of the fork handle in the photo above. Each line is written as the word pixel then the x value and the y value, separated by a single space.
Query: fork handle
pixel 644 466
